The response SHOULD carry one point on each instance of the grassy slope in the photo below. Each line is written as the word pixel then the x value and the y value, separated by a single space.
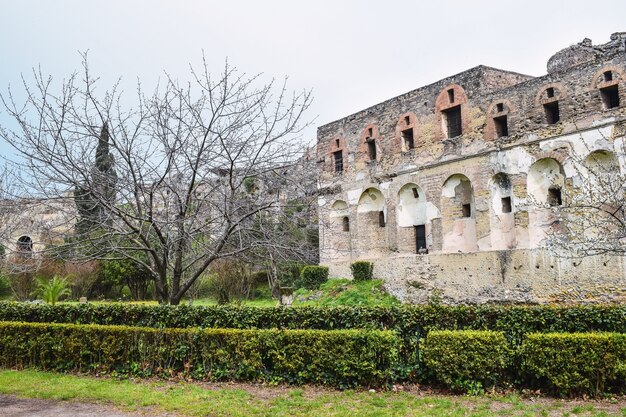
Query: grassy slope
pixel 193 399
pixel 338 292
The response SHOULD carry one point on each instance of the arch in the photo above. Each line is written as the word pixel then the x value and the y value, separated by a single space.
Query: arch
pixel 411 208
pixel 371 200
pixel 369 144
pixel 501 194
pixel 502 218
pixel 339 205
pixel 458 221
pixel 498 122
pixel 545 181
pixel 450 108
pixel 406 132
pixel 600 80
pixel 24 244
pixel 345 223
pixel 337 155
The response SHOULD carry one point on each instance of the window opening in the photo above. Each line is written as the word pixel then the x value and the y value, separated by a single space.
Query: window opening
pixel 407 120
pixel 467 210
pixel 502 126
pixel 610 97
pixel 346 224
pixel 25 244
pixel 550 92
pixel 420 239
pixel 381 219
pixel 499 107
pixel 415 193
pixel 451 95
pixel 337 142
pixel 407 137
pixel 554 196
pixel 338 161
pixel 453 121
pixel 506 205
pixel 552 112
pixel 608 76
pixel 370 132
pixel 371 149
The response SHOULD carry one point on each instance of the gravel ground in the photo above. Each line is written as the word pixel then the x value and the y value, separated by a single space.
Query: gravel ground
pixel 31 407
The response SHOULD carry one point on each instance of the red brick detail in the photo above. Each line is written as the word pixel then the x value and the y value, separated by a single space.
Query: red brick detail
pixel 560 157
pixel 598 78
pixel 443 103
pixel 492 111
pixel 363 154
pixel 402 125
pixel 541 98
pixel 329 162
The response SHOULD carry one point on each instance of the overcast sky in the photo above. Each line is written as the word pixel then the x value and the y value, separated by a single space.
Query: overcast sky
pixel 353 54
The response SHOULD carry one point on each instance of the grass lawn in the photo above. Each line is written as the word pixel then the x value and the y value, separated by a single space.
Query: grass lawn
pixel 198 399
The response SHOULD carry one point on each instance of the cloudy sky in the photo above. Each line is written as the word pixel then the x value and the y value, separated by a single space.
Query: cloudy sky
pixel 353 54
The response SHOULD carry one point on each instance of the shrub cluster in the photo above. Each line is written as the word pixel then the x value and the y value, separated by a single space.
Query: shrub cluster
pixel 343 359
pixel 459 359
pixel 362 270
pixel 312 276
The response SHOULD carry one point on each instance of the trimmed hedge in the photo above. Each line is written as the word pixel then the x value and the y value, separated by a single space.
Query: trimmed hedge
pixel 459 359
pixel 343 359
pixel 362 270
pixel 575 363
pixel 312 276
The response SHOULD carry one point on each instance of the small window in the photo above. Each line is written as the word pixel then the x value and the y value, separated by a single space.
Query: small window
pixel 420 239
pixel 554 196
pixel 407 138
pixel 502 126
pixel 24 244
pixel 451 95
pixel 407 120
pixel 371 149
pixel 453 122
pixel 467 210
pixel 552 112
pixel 337 142
pixel 415 193
pixel 550 92
pixel 608 76
pixel 346 224
pixel 610 97
pixel 500 107
pixel 506 204
pixel 381 219
pixel 338 157
pixel 370 132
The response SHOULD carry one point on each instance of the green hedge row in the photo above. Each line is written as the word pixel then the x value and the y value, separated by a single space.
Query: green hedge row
pixel 410 322
pixel 558 363
pixel 343 359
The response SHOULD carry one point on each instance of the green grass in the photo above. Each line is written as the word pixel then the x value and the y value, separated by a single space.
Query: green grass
pixel 195 399
pixel 340 292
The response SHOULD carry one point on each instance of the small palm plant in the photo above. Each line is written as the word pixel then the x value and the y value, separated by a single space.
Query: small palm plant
pixel 51 291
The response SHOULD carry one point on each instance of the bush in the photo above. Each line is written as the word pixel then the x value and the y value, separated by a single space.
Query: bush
pixel 5 287
pixel 52 290
pixel 313 276
pixel 362 270
pixel 229 280
pixel 461 359
pixel 341 359
pixel 575 363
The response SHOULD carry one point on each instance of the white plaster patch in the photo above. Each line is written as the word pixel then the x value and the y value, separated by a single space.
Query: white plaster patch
pixel 353 196
pixel 512 161
pixel 359 176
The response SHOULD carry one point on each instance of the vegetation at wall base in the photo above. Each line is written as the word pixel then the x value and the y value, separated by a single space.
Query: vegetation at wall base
pixel 338 292
pixel 312 276
pixel 342 359
pixel 362 270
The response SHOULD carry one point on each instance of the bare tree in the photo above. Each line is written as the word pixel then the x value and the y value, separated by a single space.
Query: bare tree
pixel 182 156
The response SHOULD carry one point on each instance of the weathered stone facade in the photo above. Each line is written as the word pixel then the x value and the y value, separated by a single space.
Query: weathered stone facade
pixel 472 169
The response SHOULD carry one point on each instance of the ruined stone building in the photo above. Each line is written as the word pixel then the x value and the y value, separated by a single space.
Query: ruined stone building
pixel 450 189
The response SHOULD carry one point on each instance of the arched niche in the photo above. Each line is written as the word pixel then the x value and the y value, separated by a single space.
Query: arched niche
pixel 371 236
pixel 502 218
pixel 24 244
pixel 545 182
pixel 457 209
pixel 371 200
pixel 411 207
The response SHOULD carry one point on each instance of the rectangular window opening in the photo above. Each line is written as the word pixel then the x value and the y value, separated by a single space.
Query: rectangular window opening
pixel 381 219
pixel 338 157
pixel 415 193
pixel 420 239
pixel 502 126
pixel 371 149
pixel 407 120
pixel 552 112
pixel 370 132
pixel 451 95
pixel 346 224
pixel 608 76
pixel 337 142
pixel 407 137
pixel 467 210
pixel 506 205
pixel 499 107
pixel 453 122
pixel 554 196
pixel 550 92
pixel 610 97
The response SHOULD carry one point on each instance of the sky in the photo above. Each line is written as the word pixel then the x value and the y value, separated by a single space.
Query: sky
pixel 352 54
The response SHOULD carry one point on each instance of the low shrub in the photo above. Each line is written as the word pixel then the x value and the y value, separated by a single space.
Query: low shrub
pixel 466 360
pixel 343 359
pixel 312 276
pixel 575 363
pixel 362 270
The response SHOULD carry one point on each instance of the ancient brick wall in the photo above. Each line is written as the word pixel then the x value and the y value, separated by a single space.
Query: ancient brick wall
pixel 479 162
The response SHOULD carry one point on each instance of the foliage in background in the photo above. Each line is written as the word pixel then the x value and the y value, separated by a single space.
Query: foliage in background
pixel 466 360
pixel 128 272
pixel 343 359
pixel 312 276
pixel 362 270
pixel 51 291
pixel 230 279
pixel 346 292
